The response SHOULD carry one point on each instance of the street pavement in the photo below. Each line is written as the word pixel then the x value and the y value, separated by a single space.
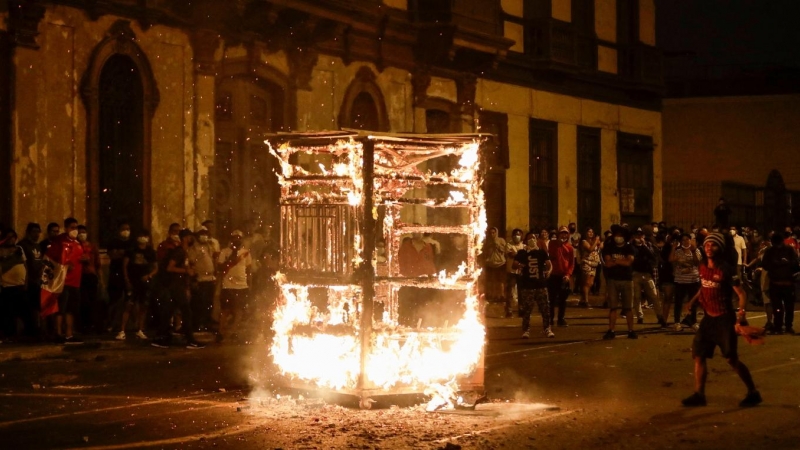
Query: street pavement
pixel 574 390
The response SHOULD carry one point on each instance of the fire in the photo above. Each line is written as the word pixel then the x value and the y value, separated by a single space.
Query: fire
pixel 340 345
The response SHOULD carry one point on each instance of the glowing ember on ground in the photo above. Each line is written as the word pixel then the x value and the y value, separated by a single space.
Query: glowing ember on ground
pixel 327 331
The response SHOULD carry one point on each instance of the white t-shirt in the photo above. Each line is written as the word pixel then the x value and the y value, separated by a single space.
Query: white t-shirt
pixel 236 278
pixel 740 245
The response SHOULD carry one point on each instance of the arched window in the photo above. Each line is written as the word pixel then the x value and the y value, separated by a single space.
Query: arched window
pixel 120 96
pixel 363 107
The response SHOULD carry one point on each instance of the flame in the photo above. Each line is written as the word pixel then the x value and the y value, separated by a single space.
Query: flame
pixel 324 347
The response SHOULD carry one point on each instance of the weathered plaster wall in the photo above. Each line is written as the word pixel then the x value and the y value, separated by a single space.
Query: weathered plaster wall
pixel 319 108
pixel 50 120
pixel 521 104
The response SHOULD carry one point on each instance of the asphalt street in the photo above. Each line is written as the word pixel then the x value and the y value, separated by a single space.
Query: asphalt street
pixel 570 391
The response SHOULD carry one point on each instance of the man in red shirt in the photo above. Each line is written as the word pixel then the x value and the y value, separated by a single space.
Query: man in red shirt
pixel 719 282
pixel 562 257
pixel 67 251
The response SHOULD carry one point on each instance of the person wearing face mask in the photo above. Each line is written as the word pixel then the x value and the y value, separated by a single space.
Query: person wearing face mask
pixel 562 257
pixel 139 267
pixel 13 282
pixel 512 247
pixel 33 265
pixel 176 276
pixel 644 264
pixel 533 265
pixel 494 266
pixel 590 262
pixel 201 258
pixel 165 248
pixel 575 240
pixel 740 246
pixel 618 258
pixel 90 318
pixel 685 258
pixel 235 263
pixel 117 247
pixel 66 251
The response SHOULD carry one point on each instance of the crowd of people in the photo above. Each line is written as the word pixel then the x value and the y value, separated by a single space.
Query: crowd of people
pixel 54 289
pixel 654 266
pixel 664 268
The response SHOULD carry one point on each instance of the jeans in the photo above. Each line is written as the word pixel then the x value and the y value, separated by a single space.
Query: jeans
pixel 644 282
pixel 178 298
pixel 782 304
pixel 685 291
pixel 202 302
pixel 557 293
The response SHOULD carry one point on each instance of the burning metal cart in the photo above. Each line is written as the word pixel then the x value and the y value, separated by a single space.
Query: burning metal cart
pixel 356 314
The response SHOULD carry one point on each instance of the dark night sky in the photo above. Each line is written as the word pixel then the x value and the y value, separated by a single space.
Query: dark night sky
pixel 731 31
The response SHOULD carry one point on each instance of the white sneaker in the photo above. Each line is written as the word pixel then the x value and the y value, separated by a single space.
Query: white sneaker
pixel 140 334
pixel 677 326
pixel 526 335
pixel 549 333
pixel 120 336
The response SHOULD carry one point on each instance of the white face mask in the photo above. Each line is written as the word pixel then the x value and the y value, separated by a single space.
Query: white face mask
pixel 619 239
pixel 82 236
pixel 532 244
pixel 73 234
pixel 143 240
pixel 517 239
pixel 125 234
pixel 655 229
pixel 175 238
pixel 564 239
pixel 733 232
pixel 202 238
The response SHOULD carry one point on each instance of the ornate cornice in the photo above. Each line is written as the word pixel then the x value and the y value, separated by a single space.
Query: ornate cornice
pixel 204 46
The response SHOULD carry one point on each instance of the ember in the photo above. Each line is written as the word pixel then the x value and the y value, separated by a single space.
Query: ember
pixel 358 321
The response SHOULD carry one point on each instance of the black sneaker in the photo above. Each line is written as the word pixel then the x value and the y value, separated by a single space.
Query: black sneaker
pixel 632 335
pixel 640 320
pixel 752 399
pixel 72 340
pixel 610 334
pixel 194 345
pixel 662 323
pixel 790 330
pixel 695 399
pixel 159 344
pixel 562 323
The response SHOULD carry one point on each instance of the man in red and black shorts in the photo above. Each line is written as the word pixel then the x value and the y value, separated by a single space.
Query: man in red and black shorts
pixel 719 282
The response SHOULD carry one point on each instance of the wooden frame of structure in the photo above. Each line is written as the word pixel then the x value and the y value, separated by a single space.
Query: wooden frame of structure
pixel 334 188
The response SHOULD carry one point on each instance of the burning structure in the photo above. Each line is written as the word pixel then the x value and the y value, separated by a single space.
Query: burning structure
pixel 366 307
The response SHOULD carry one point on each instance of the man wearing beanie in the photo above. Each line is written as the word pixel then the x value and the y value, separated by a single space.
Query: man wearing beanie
pixel 718 328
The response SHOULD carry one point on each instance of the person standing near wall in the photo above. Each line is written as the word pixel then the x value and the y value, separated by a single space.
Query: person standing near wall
pixel 562 257
pixel 512 273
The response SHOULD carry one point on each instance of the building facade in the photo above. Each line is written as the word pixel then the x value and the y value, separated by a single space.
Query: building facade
pixel 154 111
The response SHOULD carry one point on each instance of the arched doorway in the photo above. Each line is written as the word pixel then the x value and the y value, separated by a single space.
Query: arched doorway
pixel 120 95
pixel 244 184
pixel 121 193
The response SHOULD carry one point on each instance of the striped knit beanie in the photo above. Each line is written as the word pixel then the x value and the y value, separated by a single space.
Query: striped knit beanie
pixel 716 238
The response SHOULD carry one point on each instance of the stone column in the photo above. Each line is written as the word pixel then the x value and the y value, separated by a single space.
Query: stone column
pixel 205 45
